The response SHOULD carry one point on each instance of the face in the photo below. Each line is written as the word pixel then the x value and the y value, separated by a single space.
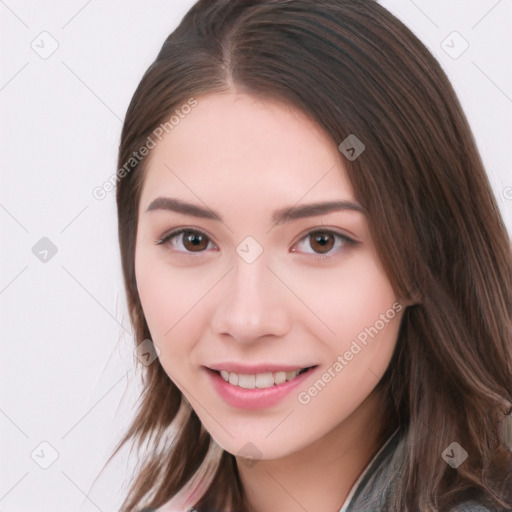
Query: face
pixel 244 284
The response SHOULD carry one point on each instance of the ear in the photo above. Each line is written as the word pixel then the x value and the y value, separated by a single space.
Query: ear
pixel 506 429
pixel 414 297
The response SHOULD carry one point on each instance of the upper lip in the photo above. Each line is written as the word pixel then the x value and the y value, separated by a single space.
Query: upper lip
pixel 256 368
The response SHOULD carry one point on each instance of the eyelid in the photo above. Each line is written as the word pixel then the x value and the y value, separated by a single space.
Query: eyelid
pixel 327 229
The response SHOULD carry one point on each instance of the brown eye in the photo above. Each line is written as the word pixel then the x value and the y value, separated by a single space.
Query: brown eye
pixel 194 241
pixel 322 242
pixel 186 241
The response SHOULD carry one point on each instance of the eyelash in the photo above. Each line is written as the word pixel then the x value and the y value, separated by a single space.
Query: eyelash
pixel 166 239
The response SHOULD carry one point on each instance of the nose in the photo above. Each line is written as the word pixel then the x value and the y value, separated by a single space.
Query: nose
pixel 252 303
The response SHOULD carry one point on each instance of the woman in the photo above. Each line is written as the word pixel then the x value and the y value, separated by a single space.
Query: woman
pixel 311 244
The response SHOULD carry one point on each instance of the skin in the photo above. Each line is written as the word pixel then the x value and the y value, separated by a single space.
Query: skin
pixel 245 158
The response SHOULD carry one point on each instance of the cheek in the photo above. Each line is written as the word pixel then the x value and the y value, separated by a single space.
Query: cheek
pixel 361 310
pixel 369 324
pixel 171 305
pixel 157 299
pixel 360 353
pixel 347 300
pixel 363 304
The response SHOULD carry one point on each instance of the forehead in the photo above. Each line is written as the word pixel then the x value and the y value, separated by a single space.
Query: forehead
pixel 233 146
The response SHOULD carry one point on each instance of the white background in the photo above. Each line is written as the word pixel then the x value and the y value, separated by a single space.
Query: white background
pixel 67 358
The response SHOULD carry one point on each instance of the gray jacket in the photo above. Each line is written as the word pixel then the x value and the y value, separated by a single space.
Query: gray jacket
pixel 373 491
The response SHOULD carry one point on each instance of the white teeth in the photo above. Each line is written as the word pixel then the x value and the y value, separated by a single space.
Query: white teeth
pixel 291 375
pixel 259 380
pixel 279 377
pixel 247 381
pixel 264 380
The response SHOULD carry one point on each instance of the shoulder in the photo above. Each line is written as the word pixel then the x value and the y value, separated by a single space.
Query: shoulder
pixel 376 489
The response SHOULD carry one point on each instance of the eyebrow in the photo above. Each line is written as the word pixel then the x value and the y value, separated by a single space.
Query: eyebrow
pixel 280 216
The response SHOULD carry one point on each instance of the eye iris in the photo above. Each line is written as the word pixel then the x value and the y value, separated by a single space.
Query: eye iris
pixel 323 242
pixel 198 241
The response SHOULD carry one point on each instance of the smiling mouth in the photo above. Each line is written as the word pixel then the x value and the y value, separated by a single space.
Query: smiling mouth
pixel 263 380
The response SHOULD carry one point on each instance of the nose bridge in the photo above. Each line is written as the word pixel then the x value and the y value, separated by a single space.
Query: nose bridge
pixel 249 306
pixel 251 284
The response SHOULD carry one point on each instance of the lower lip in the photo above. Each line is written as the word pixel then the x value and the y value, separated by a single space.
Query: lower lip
pixel 255 398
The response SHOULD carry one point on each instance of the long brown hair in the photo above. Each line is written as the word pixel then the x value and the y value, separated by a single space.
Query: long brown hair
pixel 354 69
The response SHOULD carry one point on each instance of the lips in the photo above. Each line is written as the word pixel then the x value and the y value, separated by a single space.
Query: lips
pixel 261 376
pixel 256 390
